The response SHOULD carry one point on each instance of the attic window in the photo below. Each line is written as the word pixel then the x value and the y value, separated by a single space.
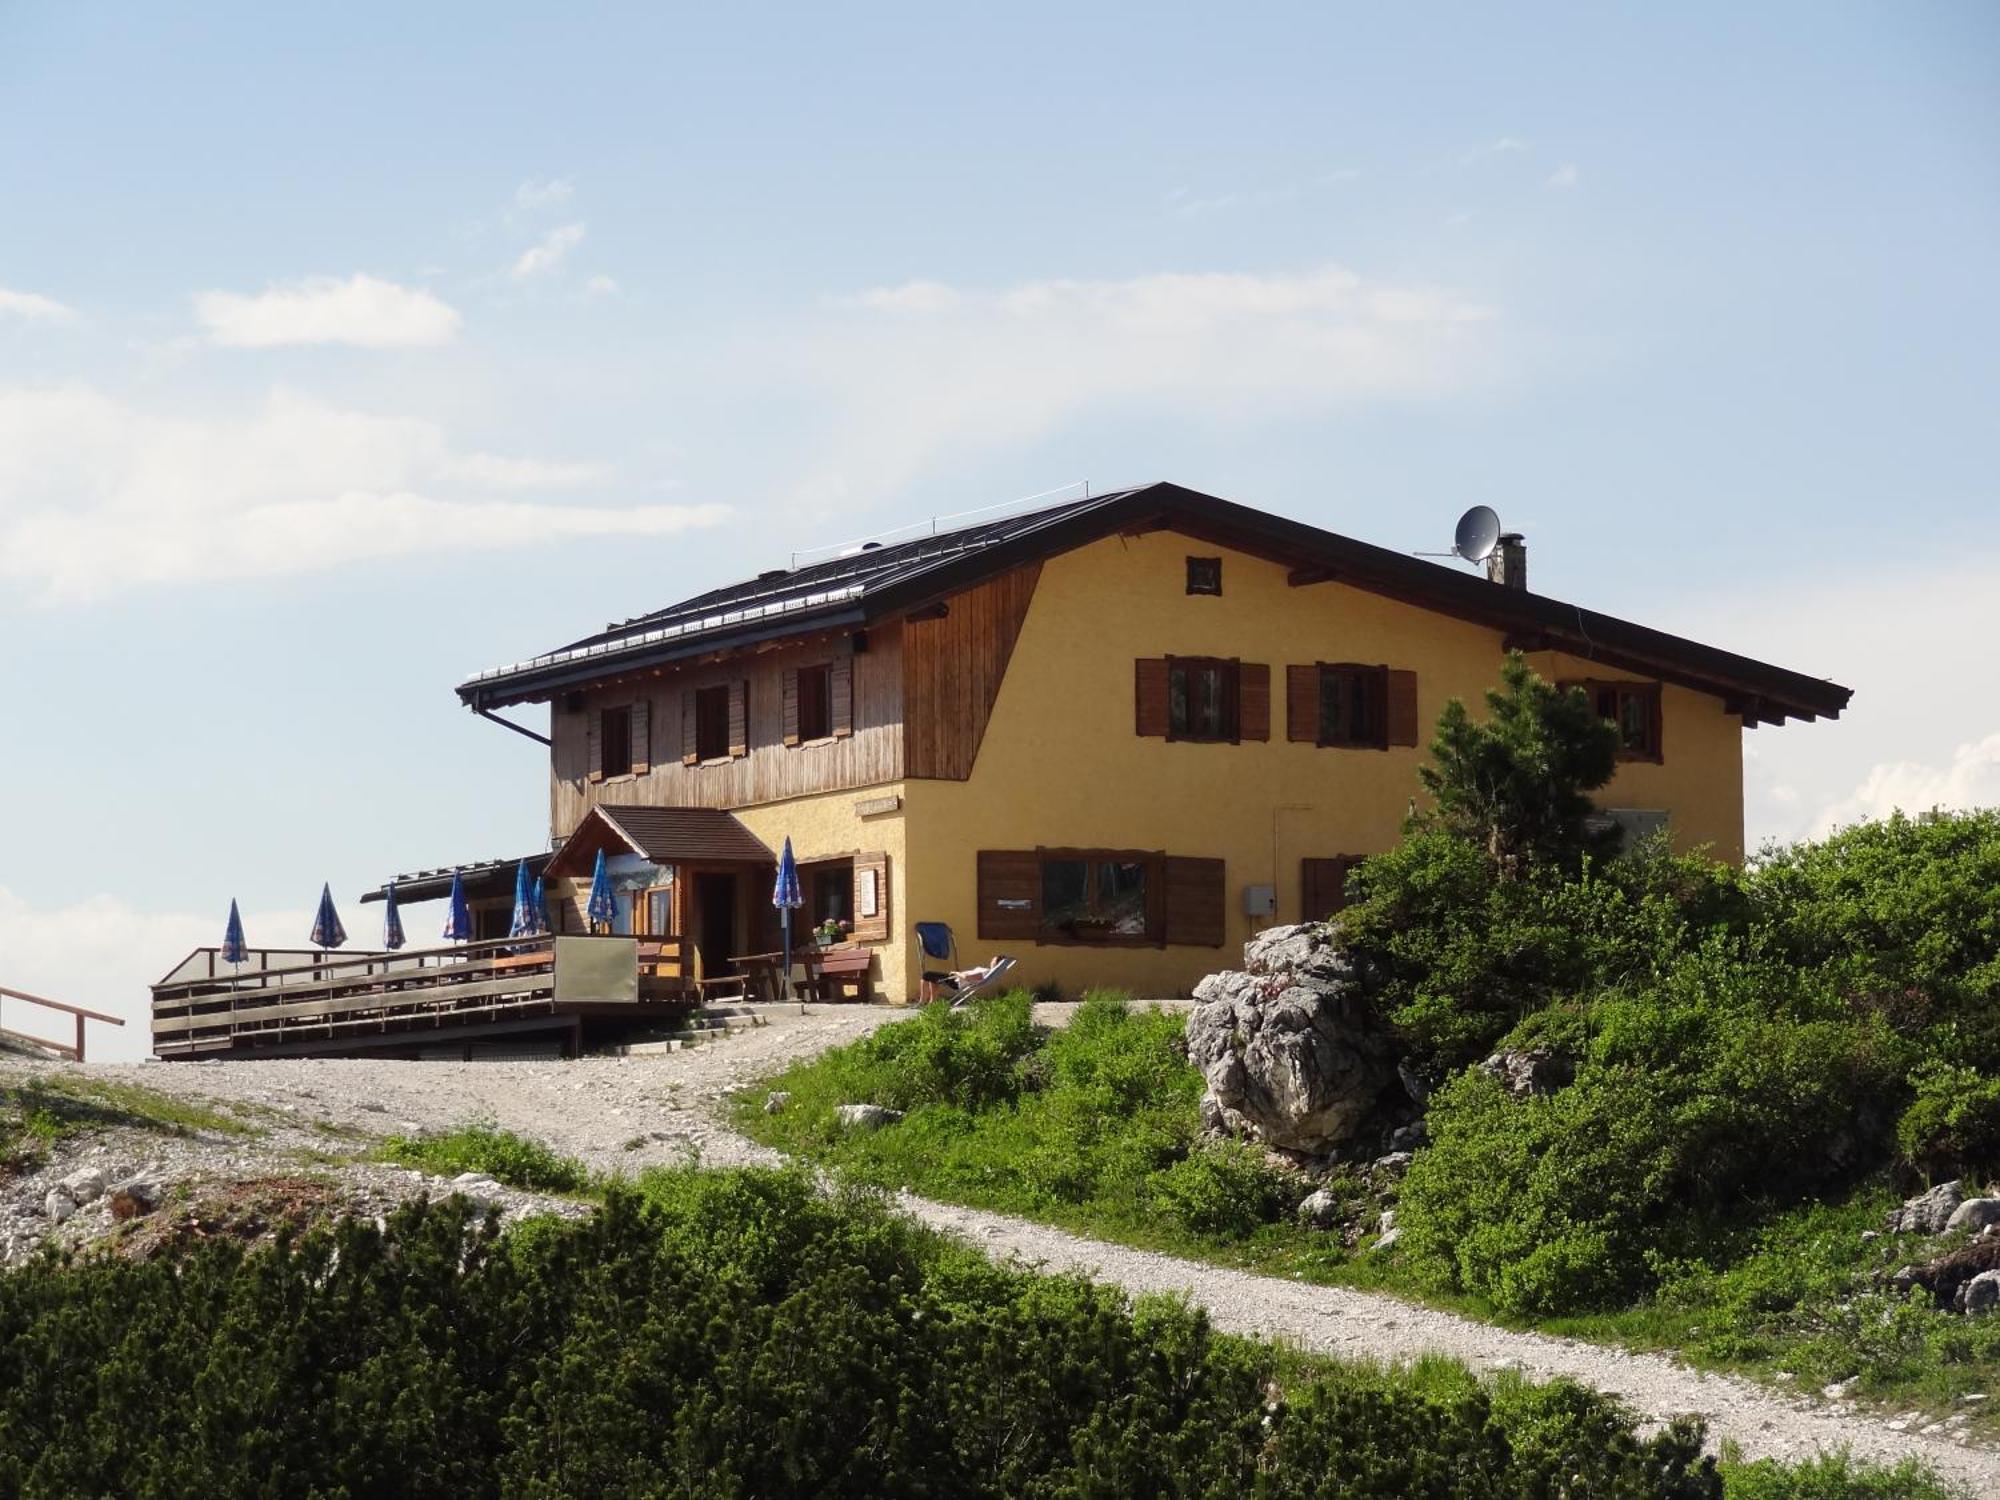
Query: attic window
pixel 1204 575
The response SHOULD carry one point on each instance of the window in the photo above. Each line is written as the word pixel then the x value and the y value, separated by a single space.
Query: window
pixel 1201 698
pixel 655 910
pixel 711 722
pixel 1353 706
pixel 1634 708
pixel 1204 575
pixel 1095 898
pixel 816 702
pixel 829 892
pixel 614 742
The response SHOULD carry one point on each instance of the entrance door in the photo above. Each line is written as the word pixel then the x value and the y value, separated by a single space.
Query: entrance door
pixel 715 921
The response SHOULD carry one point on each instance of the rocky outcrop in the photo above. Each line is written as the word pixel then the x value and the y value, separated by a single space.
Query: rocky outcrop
pixel 1928 1213
pixel 1531 1072
pixel 1286 1046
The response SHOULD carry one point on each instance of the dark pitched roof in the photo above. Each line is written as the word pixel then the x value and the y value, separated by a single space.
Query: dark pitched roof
pixel 488 877
pixel 879 583
pixel 664 835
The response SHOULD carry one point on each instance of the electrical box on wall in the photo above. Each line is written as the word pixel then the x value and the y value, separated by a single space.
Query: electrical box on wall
pixel 1260 900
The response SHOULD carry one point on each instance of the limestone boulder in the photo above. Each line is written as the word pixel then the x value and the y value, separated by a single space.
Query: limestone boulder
pixel 1928 1213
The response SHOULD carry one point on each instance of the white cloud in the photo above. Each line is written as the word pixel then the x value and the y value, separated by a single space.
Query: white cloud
pixel 98 496
pixel 1506 145
pixel 32 306
pixel 362 310
pixel 548 253
pixel 540 193
pixel 600 286
pixel 1564 177
pixel 920 370
pixel 1971 778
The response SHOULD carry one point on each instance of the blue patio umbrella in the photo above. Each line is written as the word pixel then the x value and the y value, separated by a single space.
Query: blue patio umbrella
pixel 786 896
pixel 603 906
pixel 527 909
pixel 327 931
pixel 541 909
pixel 234 949
pixel 392 920
pixel 458 920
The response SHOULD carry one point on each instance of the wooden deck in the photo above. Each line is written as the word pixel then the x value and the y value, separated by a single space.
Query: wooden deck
pixel 303 1003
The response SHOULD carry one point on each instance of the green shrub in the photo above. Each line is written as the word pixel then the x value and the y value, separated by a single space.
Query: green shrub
pixel 500 1154
pixel 964 1057
pixel 1223 1189
pixel 1953 1125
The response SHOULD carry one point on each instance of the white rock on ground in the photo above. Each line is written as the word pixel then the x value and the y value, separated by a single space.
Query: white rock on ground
pixel 568 1107
pixel 1974 1214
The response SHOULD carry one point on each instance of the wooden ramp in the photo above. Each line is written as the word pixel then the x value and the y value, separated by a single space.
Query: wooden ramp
pixel 288 1002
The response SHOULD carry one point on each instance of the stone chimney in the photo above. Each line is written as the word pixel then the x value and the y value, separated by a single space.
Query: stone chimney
pixel 1508 563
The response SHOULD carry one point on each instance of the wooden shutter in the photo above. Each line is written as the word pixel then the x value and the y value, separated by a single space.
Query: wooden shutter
pixel 642 737
pixel 739 719
pixel 593 753
pixel 840 685
pixel 1302 704
pixel 1401 707
pixel 1323 885
pixel 871 929
pixel 1253 701
pixel 1010 895
pixel 1150 696
pixel 791 693
pixel 690 731
pixel 1196 901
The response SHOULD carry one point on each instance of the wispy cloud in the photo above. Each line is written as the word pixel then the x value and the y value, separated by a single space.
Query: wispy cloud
pixel 1185 203
pixel 32 306
pixel 539 194
pixel 600 286
pixel 1563 177
pixel 1506 145
pixel 98 496
pixel 548 253
pixel 362 310
pixel 919 370
pixel 1969 778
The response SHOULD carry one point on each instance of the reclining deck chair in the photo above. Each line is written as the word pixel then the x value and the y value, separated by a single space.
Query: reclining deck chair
pixel 941 947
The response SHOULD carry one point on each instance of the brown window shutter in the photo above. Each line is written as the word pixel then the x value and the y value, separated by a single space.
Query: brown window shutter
pixel 690 740
pixel 1323 886
pixel 1150 696
pixel 642 737
pixel 873 929
pixel 1302 704
pixel 1196 901
pixel 791 692
pixel 1401 715
pixel 1253 704
pixel 842 678
pixel 593 754
pixel 1010 895
pixel 739 719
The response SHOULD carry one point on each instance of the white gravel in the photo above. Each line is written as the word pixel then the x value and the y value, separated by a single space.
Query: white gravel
pixel 628 1113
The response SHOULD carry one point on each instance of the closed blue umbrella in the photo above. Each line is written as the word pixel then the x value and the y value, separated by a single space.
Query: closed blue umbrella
pixel 392 920
pixel 603 906
pixel 327 931
pixel 458 920
pixel 786 896
pixel 527 909
pixel 234 949
pixel 541 909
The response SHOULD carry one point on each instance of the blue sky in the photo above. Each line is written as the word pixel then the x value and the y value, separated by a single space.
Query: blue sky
pixel 344 353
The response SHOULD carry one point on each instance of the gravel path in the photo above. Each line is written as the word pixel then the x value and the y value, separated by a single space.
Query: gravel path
pixel 628 1113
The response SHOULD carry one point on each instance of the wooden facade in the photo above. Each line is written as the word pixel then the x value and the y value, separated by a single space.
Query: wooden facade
pixel 953 663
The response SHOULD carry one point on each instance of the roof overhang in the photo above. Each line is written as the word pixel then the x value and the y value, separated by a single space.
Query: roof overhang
pixel 663 835
pixel 483 880
pixel 1759 691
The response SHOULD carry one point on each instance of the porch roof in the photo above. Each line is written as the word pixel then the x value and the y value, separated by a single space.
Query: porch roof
pixel 484 879
pixel 664 835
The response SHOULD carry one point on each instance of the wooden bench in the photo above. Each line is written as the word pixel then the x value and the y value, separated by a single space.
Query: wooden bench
pixel 838 973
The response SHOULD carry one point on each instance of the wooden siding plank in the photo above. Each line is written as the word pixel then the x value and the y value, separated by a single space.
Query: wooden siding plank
pixel 953 666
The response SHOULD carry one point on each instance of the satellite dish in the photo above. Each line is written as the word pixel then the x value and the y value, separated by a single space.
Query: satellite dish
pixel 1478 534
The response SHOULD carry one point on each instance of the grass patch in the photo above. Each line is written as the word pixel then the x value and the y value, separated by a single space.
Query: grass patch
pixel 37 1112
pixel 1094 1128
pixel 500 1154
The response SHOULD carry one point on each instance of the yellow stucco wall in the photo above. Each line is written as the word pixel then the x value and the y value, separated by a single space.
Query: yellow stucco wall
pixel 827 826
pixel 1061 765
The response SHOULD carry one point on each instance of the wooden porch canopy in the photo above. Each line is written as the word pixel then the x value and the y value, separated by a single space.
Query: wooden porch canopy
pixel 663 835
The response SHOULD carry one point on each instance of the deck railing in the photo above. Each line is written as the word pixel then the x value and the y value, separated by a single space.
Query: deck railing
pixel 206 1006
pixel 61 1049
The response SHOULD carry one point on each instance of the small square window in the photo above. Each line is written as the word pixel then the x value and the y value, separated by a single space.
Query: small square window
pixel 1204 575
pixel 1202 698
pixel 1353 706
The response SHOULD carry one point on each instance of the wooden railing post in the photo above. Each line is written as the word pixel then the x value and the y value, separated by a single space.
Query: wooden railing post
pixel 79 1038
